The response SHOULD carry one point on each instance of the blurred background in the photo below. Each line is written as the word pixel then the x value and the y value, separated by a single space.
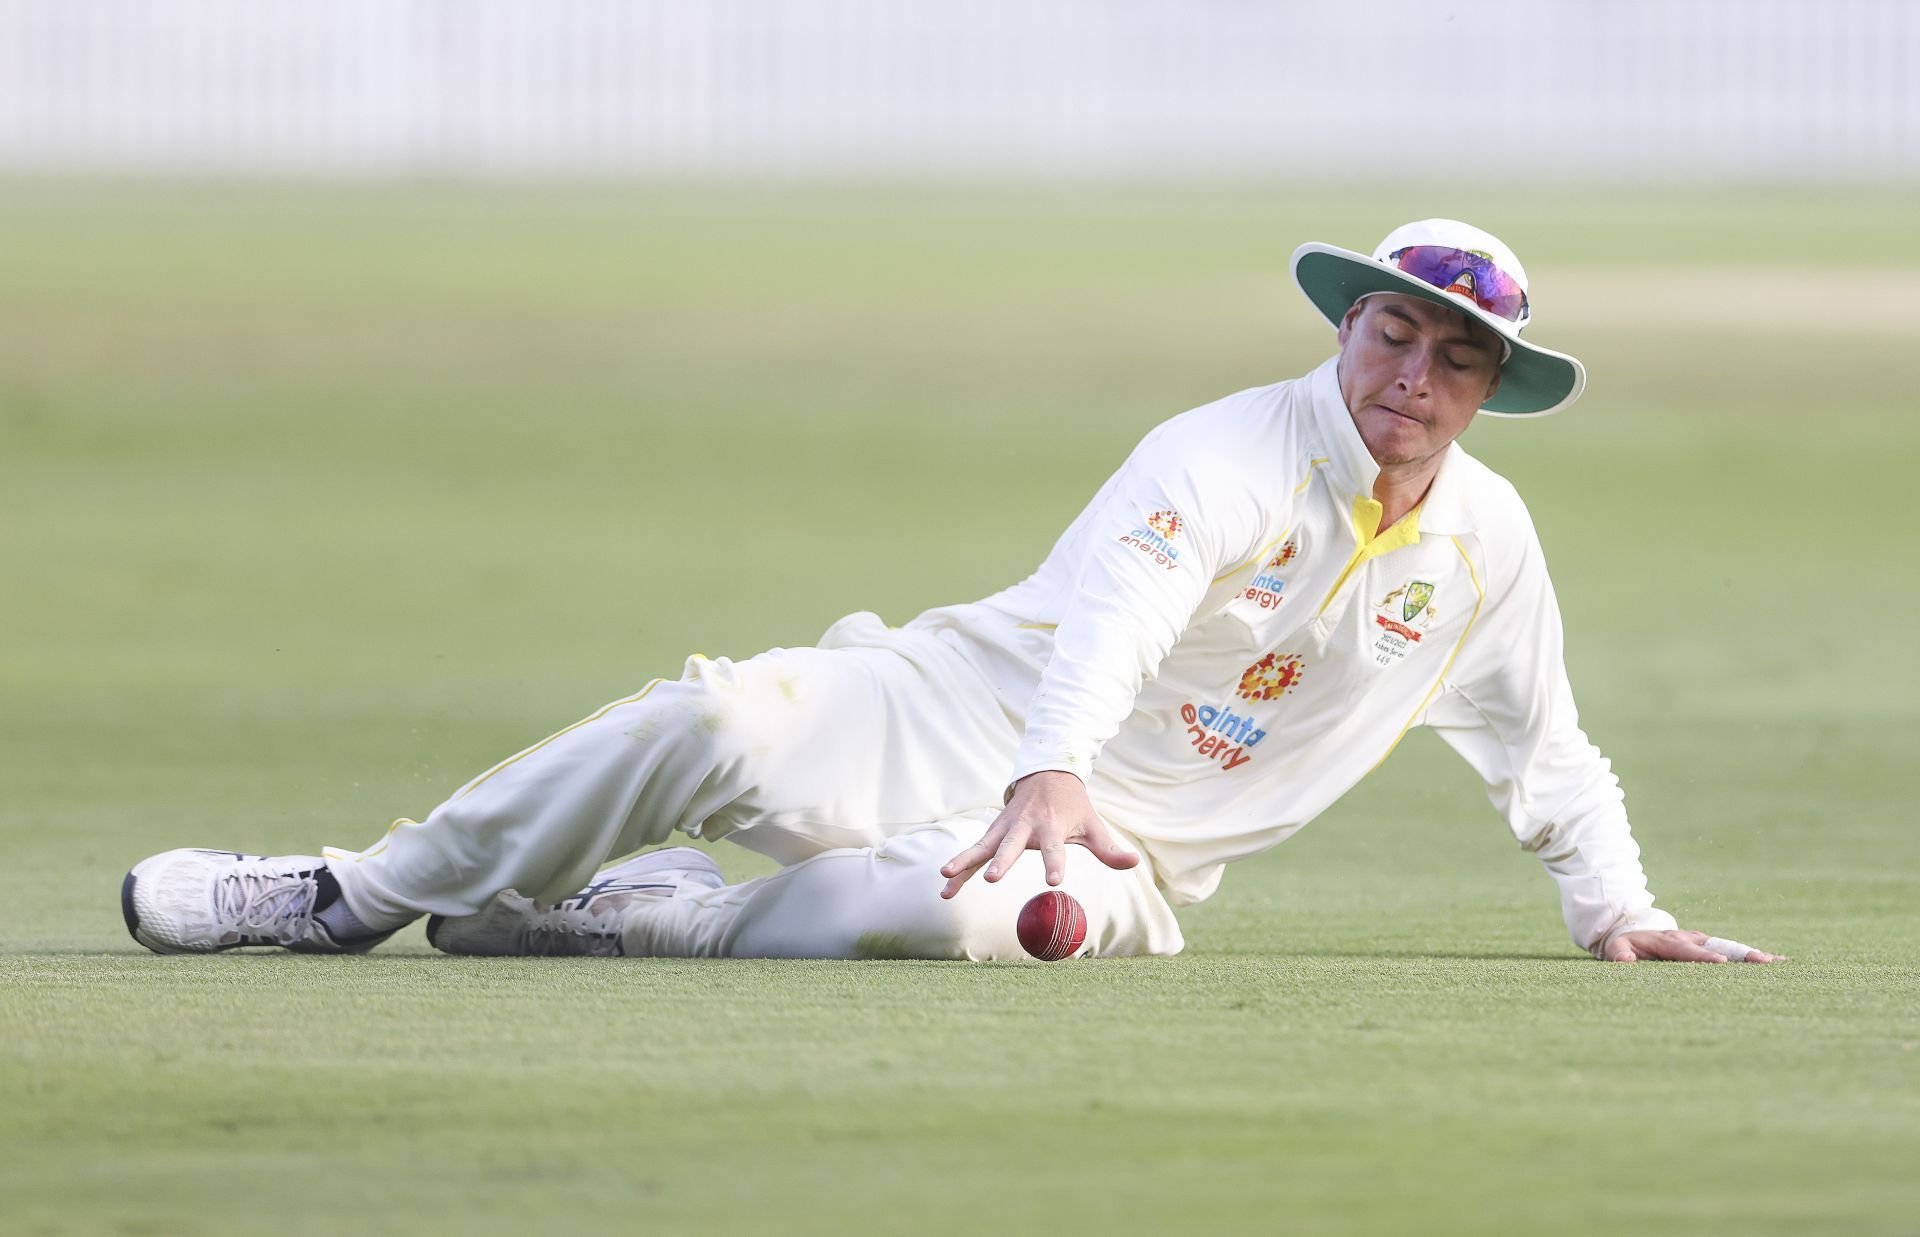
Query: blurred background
pixel 386 383
pixel 1790 91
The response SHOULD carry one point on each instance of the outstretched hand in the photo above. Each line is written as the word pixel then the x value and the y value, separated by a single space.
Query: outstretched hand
pixel 1679 945
pixel 1048 810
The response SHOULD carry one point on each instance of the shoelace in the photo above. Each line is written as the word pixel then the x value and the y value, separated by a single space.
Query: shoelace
pixel 270 904
pixel 586 898
pixel 561 934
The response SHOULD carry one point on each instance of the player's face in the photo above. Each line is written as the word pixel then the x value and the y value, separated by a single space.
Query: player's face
pixel 1413 374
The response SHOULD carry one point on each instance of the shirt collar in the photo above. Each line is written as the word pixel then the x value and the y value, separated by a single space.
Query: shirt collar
pixel 1444 511
pixel 1349 462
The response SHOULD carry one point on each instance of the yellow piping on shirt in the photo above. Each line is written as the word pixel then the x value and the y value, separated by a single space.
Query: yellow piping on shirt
pixel 1370 542
pixel 1479 598
pixel 1257 556
pixel 1262 551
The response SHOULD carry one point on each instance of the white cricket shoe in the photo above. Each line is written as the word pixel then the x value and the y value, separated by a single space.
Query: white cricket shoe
pixel 203 901
pixel 584 925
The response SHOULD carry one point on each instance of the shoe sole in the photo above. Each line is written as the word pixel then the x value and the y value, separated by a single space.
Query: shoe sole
pixel 126 909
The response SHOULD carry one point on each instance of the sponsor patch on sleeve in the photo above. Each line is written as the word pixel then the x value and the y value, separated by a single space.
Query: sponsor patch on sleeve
pixel 1156 536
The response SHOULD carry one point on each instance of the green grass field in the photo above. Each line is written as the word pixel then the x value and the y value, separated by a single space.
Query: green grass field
pixel 313 505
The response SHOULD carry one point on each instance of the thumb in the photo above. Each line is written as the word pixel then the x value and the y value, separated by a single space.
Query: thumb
pixel 1105 849
pixel 1620 951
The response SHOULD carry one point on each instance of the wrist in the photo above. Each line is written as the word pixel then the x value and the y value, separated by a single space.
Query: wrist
pixel 1041 780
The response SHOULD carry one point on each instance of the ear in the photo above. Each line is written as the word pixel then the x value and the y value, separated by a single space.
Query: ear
pixel 1493 387
pixel 1350 318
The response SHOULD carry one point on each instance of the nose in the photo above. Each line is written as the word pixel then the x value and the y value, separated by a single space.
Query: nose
pixel 1416 369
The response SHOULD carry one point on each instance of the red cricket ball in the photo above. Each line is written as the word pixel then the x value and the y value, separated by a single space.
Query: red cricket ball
pixel 1053 925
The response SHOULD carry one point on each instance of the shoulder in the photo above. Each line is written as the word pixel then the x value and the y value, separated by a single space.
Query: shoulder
pixel 1248 431
pixel 1501 521
pixel 1494 501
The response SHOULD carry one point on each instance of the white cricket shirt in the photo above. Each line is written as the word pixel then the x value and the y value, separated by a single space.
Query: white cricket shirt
pixel 1225 644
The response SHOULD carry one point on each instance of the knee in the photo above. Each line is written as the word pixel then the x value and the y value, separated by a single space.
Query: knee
pixel 909 918
pixel 932 927
pixel 722 709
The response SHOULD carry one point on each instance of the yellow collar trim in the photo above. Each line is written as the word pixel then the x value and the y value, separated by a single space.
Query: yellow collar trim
pixel 1366 528
pixel 1370 542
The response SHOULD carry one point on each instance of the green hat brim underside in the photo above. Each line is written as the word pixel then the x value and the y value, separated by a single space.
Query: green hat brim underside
pixel 1534 382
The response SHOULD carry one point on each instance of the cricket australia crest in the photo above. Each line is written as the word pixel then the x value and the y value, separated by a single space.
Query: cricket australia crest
pixel 1396 637
pixel 1419 593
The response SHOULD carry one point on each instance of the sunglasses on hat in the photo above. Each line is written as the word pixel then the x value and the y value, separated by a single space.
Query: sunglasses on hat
pixel 1463 272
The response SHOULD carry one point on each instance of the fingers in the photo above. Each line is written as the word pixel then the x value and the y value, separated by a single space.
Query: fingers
pixel 1675 946
pixel 1029 824
pixel 1660 946
pixel 970 858
pixel 1736 952
pixel 1054 852
pixel 1687 951
pixel 961 876
pixel 1105 849
pixel 1682 946
pixel 1011 845
pixel 960 869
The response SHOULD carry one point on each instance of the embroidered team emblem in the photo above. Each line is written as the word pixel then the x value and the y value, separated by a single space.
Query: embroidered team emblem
pixel 1414 597
pixel 1419 593
pixel 1167 523
pixel 1396 638
pixel 1271 677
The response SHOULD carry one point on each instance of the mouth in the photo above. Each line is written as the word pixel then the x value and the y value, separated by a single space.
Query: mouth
pixel 1395 412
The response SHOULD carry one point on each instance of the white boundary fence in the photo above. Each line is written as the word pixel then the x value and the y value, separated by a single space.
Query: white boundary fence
pixel 1781 90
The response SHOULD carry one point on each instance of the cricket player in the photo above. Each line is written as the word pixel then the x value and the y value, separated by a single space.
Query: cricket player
pixel 1242 624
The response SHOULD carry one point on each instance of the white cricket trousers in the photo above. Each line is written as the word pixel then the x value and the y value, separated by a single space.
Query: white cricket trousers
pixel 862 765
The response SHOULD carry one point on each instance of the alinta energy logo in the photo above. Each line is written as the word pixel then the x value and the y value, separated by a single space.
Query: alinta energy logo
pixel 1267 588
pixel 1219 733
pixel 1156 539
pixel 1271 677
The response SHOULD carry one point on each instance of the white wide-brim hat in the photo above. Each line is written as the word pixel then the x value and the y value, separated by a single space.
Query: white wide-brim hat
pixel 1534 381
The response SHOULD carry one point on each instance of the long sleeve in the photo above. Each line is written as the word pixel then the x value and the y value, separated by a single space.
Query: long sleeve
pixel 1508 710
pixel 1146 551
